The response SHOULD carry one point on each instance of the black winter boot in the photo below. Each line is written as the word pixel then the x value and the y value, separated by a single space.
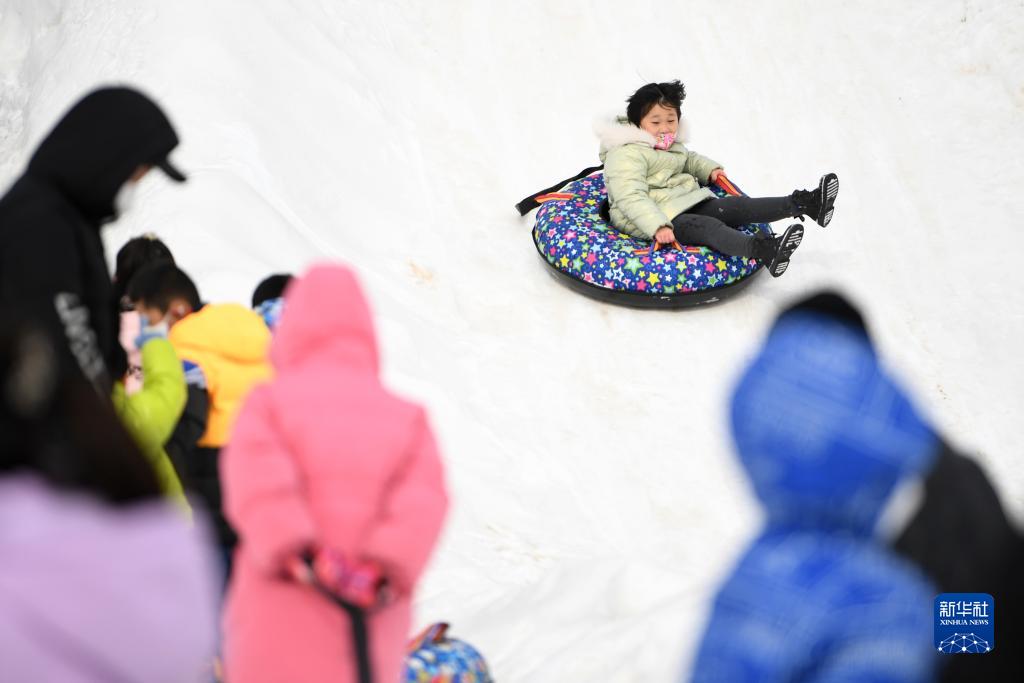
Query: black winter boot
pixel 764 248
pixel 818 204
pixel 774 252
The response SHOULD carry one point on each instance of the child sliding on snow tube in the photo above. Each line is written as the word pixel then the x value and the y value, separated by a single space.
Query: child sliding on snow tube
pixel 657 188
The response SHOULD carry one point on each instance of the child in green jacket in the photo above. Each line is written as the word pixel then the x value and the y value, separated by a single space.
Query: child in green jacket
pixel 151 413
pixel 657 189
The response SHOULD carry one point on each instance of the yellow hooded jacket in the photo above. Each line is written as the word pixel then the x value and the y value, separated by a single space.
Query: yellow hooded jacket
pixel 229 343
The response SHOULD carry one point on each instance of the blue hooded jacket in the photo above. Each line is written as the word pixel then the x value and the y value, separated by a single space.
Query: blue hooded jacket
pixel 825 436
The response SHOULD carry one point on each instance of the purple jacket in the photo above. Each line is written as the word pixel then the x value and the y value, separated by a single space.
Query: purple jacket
pixel 90 592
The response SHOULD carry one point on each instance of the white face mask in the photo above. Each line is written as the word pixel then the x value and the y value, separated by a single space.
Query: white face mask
pixel 125 198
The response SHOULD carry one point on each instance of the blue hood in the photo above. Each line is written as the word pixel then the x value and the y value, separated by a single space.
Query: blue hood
pixel 823 432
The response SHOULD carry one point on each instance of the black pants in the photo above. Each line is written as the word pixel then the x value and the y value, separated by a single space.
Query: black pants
pixel 713 222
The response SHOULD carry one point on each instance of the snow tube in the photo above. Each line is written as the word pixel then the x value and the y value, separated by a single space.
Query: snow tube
pixel 433 657
pixel 595 259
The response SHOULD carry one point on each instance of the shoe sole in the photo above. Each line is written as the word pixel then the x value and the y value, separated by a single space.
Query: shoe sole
pixel 829 187
pixel 791 239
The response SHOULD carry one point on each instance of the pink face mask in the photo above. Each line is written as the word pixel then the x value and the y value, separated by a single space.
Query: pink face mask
pixel 664 140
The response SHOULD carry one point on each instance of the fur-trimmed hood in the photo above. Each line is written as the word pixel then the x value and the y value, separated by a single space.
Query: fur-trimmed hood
pixel 616 131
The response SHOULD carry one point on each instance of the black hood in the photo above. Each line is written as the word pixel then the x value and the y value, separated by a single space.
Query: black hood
pixel 98 145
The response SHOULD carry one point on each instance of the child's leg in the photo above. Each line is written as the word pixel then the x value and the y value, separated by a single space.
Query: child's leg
pixel 738 211
pixel 774 252
pixel 690 228
pixel 819 204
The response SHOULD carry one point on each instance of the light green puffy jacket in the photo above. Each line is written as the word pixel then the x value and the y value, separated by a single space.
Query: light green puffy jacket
pixel 649 187
pixel 151 413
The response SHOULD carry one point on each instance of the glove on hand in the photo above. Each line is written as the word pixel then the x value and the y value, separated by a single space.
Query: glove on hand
pixel 358 582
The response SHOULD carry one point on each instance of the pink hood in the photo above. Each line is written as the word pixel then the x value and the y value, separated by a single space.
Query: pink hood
pixel 326 315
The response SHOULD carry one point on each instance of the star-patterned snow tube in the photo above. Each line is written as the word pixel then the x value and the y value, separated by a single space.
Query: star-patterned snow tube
pixel 433 657
pixel 595 259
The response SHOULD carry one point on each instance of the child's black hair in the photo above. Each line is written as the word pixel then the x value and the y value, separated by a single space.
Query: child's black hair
pixel 669 95
pixel 157 284
pixel 136 253
pixel 831 304
pixel 272 287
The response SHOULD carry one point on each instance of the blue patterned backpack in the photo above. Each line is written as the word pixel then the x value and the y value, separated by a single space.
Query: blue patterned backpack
pixel 435 658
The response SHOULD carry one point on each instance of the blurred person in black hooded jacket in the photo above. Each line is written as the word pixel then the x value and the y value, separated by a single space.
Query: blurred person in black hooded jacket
pixel 82 176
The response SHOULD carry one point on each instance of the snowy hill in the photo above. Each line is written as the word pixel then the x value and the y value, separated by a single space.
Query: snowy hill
pixel 597 501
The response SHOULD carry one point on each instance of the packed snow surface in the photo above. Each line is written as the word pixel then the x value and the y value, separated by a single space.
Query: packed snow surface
pixel 597 501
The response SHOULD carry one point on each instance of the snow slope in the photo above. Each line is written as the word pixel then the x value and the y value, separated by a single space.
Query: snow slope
pixel 597 501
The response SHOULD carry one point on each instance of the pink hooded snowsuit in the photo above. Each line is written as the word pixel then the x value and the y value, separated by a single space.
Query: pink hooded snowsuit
pixel 325 455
